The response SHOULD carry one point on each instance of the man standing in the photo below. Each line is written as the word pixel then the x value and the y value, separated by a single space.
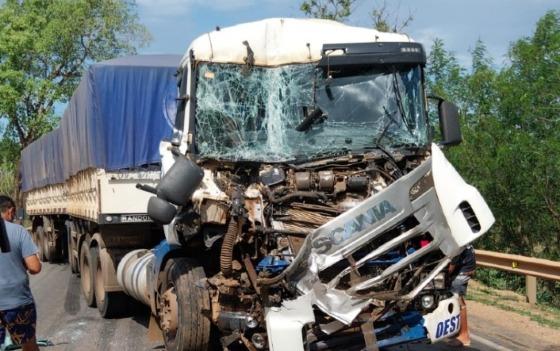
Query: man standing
pixel 17 308
pixel 461 270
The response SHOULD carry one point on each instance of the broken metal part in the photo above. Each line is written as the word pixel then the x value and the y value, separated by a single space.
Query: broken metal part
pixel 284 324
pixel 272 176
pixel 213 212
pixel 169 311
pixel 369 336
pixel 251 272
pixel 299 195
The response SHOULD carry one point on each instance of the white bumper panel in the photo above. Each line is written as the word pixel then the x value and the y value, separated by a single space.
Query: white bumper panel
pixel 444 321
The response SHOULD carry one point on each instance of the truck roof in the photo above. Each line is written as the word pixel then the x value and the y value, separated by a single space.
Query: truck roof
pixel 280 41
pixel 115 120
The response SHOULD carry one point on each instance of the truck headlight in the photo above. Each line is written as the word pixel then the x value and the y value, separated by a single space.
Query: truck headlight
pixel 439 281
pixel 427 301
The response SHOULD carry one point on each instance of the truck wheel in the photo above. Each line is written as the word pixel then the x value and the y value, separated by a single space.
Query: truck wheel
pixel 87 276
pixel 39 234
pixel 184 307
pixel 74 266
pixel 50 251
pixel 109 304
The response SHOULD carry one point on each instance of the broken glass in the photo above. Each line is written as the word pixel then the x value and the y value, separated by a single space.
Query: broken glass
pixel 251 113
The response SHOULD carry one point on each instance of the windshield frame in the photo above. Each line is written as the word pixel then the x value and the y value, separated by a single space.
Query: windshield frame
pixel 192 103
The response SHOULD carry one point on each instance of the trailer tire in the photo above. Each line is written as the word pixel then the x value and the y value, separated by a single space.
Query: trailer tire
pixel 109 304
pixel 39 234
pixel 87 275
pixel 185 322
pixel 51 252
pixel 74 262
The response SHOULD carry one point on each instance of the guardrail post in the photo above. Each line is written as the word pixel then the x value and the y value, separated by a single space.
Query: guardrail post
pixel 531 289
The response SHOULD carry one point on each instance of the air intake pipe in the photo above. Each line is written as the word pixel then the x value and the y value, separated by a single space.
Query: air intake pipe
pixel 133 274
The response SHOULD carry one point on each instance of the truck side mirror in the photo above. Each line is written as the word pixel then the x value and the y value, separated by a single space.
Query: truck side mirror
pixel 449 123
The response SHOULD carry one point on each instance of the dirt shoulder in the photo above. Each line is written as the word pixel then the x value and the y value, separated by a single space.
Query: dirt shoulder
pixel 505 316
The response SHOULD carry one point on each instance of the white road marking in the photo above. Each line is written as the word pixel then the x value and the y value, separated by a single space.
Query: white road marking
pixel 489 343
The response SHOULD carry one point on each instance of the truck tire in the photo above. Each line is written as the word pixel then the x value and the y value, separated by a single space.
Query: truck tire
pixel 87 275
pixel 109 304
pixel 51 252
pixel 39 234
pixel 184 307
pixel 74 264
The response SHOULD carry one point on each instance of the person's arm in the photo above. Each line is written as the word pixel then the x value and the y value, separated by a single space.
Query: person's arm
pixel 32 264
pixel 455 262
pixel 452 268
pixel 29 252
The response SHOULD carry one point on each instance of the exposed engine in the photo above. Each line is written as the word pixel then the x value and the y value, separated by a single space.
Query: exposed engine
pixel 258 216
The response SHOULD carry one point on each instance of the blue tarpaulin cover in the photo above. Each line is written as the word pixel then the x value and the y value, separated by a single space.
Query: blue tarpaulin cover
pixel 115 120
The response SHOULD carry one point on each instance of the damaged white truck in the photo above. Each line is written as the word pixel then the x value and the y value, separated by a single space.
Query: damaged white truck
pixel 305 204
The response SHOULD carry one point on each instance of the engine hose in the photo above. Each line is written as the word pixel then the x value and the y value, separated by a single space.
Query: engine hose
pixel 226 254
pixel 302 255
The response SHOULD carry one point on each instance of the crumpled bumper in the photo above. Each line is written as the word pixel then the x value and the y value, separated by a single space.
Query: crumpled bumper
pixel 453 212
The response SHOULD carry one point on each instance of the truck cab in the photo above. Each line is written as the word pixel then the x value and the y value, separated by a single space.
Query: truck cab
pixel 304 195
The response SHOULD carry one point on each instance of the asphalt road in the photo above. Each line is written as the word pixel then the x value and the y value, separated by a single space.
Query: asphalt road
pixel 65 320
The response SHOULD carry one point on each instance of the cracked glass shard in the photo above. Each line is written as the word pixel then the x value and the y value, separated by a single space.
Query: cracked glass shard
pixel 251 113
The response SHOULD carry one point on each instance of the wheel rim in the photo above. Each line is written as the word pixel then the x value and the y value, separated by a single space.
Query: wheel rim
pixel 99 287
pixel 39 243
pixel 86 283
pixel 46 245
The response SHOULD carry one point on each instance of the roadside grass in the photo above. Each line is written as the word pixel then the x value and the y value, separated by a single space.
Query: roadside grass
pixel 510 301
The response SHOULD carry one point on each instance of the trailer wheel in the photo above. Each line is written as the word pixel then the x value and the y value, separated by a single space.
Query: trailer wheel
pixel 51 253
pixel 73 261
pixel 109 304
pixel 184 307
pixel 87 262
pixel 39 234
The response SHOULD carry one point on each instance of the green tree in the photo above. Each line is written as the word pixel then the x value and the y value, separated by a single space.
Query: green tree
pixel 45 45
pixel 511 148
pixel 382 21
pixel 445 77
pixel 338 10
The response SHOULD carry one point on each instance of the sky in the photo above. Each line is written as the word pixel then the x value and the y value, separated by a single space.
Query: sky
pixel 175 23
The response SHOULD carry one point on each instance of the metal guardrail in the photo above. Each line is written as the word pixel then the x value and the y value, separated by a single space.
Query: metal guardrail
pixel 530 267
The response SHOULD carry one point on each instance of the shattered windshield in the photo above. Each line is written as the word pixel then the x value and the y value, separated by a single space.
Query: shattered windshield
pixel 295 112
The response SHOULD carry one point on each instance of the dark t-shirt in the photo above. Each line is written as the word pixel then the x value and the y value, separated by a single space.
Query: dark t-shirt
pixel 465 261
pixel 14 281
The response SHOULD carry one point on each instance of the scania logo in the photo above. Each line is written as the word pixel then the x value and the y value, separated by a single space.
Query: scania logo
pixel 353 226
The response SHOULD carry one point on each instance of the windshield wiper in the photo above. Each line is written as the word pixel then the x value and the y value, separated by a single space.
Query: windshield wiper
pixel 379 147
pixel 315 116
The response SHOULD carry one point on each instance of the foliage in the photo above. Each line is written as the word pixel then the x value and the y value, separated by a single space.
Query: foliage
pixel 338 10
pixel 444 74
pixel 382 19
pixel 45 45
pixel 511 148
pixel 7 179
